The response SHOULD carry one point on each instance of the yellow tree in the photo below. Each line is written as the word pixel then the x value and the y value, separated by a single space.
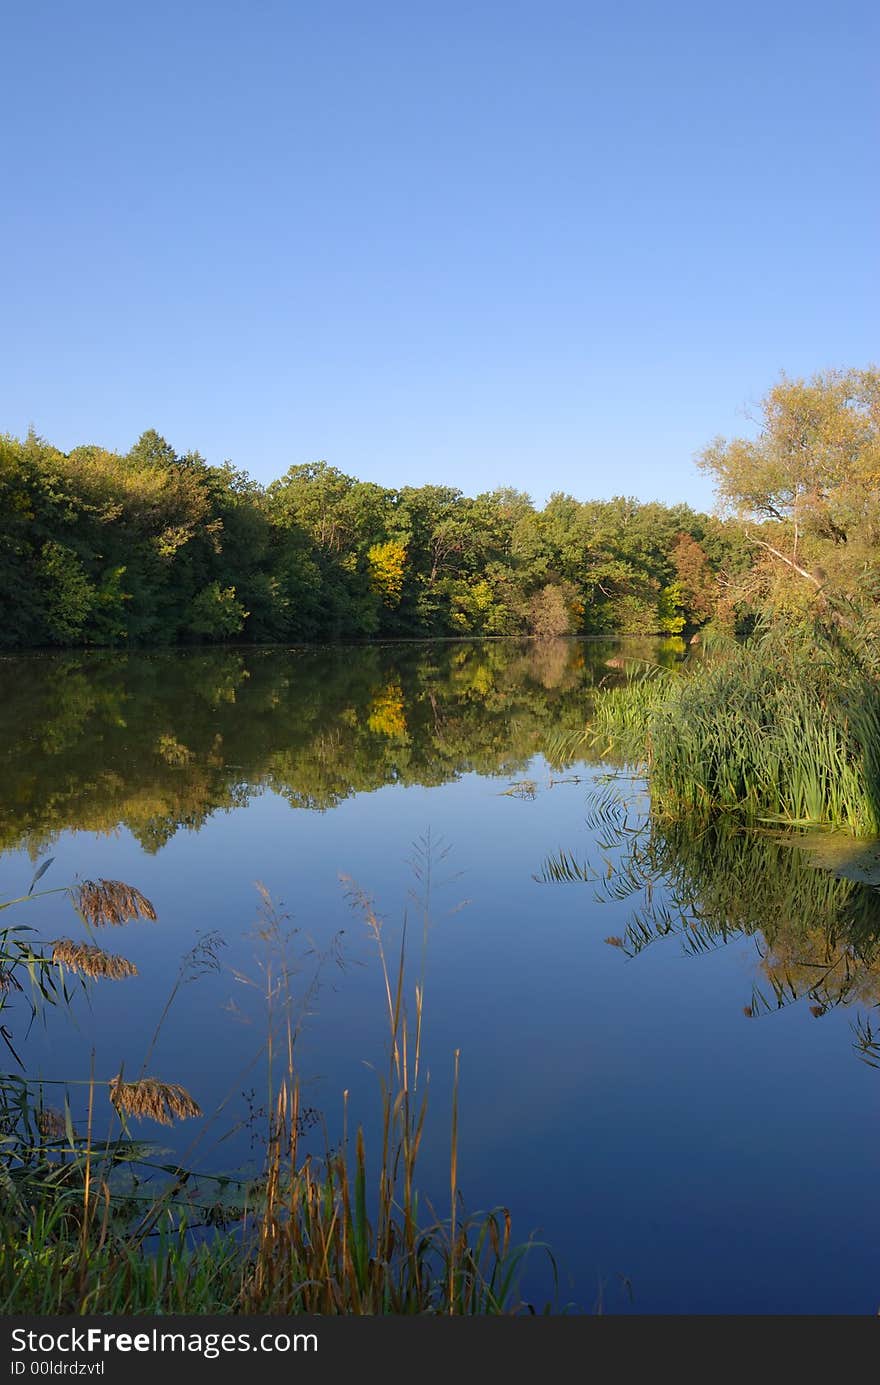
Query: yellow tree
pixel 387 563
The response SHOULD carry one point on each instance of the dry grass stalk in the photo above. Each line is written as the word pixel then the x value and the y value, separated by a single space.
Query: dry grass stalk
pixel 103 902
pixel 91 961
pixel 50 1123
pixel 151 1099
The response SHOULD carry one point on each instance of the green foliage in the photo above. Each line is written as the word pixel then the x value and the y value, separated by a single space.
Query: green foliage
pixel 67 592
pixel 804 489
pixel 387 565
pixel 785 728
pixel 215 613
pixel 152 548
pixel 670 609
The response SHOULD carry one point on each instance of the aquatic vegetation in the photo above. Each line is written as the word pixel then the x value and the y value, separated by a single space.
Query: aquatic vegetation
pixel 110 903
pixel 93 1221
pixel 782 728
pixel 91 961
pixel 148 1098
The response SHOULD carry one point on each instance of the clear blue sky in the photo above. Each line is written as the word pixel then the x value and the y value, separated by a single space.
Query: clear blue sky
pixel 552 244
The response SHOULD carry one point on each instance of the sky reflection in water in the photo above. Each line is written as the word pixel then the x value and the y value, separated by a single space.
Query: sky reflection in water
pixel 614 1096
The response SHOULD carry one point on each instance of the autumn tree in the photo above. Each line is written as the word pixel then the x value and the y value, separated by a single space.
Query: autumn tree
pixel 696 581
pixel 550 611
pixel 387 562
pixel 807 484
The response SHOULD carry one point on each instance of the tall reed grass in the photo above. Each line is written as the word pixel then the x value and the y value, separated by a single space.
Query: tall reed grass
pixel 323 1232
pixel 783 728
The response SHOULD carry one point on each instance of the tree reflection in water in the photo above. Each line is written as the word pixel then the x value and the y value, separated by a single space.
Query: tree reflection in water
pixel 817 933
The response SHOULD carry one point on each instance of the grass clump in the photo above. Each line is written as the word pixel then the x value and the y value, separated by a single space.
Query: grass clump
pixel 784 728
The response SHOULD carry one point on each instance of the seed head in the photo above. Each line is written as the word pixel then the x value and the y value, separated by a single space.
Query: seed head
pixel 151 1099
pixel 50 1123
pixel 103 902
pixel 91 961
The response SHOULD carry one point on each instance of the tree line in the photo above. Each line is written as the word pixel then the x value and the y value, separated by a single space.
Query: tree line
pixel 153 547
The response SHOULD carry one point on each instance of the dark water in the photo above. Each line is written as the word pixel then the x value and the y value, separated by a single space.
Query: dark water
pixel 677 1153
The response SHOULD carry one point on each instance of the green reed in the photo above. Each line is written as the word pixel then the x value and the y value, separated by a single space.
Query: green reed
pixel 783 728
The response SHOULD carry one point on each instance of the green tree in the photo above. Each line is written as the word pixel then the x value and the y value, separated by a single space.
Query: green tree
pixel 215 613
pixel 806 483
pixel 152 546
pixel 69 595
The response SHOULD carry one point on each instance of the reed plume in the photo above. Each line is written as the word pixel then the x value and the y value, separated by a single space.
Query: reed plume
pixel 50 1123
pixel 151 1099
pixel 91 961
pixel 8 981
pixel 103 902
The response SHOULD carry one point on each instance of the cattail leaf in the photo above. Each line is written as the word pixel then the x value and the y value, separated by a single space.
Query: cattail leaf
pixel 68 1123
pixel 41 872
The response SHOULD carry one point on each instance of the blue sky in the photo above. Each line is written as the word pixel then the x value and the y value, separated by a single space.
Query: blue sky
pixel 554 245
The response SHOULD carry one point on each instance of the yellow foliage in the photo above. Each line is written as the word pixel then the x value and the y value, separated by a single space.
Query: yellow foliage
pixel 482 595
pixel 483 680
pixel 386 712
pixel 172 751
pixel 387 563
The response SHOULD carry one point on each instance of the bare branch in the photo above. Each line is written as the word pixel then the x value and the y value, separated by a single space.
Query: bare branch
pixel 801 571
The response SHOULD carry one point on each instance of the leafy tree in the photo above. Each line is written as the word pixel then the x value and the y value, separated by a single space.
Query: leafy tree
pixel 806 484
pixel 550 611
pixel 68 593
pixel 670 609
pixel 215 612
pixel 697 586
pixel 152 546
pixel 387 563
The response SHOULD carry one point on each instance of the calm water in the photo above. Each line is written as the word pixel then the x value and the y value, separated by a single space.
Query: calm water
pixel 677 1153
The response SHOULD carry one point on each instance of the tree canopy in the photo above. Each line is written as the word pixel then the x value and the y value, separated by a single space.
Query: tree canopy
pixel 154 547
pixel 150 547
pixel 806 487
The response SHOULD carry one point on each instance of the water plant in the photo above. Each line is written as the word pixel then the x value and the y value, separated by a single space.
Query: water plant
pixel 784 728
pixel 93 1221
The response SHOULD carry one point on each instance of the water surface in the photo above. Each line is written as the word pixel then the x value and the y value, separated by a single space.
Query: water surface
pixel 657 1030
